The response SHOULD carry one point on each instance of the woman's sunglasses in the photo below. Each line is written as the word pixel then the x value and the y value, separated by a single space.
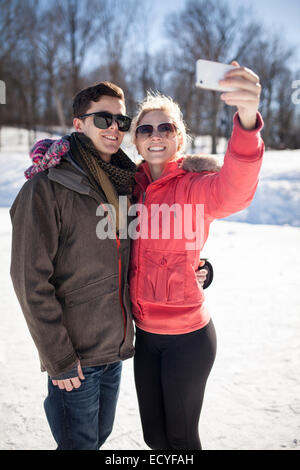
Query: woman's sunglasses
pixel 104 119
pixel 164 129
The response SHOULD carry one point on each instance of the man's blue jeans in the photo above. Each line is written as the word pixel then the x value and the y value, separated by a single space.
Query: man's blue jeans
pixel 83 418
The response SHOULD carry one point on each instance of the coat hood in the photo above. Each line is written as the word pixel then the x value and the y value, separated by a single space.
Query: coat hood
pixel 198 163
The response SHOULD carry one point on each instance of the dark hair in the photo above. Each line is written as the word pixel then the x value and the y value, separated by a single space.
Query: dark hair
pixel 82 100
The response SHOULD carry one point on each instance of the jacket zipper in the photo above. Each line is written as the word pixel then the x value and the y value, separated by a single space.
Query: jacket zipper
pixel 120 286
pixel 120 277
pixel 138 257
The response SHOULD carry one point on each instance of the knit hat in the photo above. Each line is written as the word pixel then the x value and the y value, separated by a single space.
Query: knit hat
pixel 46 153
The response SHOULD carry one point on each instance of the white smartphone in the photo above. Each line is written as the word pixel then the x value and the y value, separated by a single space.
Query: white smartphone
pixel 209 73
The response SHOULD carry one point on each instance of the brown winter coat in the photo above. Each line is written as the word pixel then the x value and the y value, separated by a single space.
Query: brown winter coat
pixel 71 285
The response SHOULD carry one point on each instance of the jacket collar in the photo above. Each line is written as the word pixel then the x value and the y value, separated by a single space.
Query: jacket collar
pixel 72 178
pixel 188 163
pixel 143 175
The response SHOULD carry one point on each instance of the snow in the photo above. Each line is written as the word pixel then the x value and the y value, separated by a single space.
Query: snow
pixel 277 199
pixel 252 397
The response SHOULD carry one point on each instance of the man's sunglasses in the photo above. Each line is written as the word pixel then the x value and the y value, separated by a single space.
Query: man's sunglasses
pixel 103 120
pixel 164 129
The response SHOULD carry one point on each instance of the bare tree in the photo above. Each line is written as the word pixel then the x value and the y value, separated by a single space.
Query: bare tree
pixel 285 113
pixel 11 28
pixel 270 58
pixel 79 25
pixel 117 22
pixel 142 68
pixel 208 30
pixel 15 22
pixel 52 59
pixel 50 50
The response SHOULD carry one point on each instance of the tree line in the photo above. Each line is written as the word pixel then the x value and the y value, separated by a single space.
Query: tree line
pixel 51 49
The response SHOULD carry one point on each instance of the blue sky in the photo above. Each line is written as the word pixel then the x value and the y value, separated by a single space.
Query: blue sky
pixel 277 15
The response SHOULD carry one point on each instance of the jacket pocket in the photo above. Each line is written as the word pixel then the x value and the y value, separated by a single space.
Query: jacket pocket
pixel 162 276
pixel 91 291
pixel 93 319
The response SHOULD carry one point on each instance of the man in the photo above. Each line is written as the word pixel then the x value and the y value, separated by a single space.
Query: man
pixel 72 285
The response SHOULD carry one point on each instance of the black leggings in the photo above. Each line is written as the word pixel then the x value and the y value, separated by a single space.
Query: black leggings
pixel 170 377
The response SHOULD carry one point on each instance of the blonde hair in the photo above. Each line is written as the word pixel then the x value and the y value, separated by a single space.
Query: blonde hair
pixel 156 101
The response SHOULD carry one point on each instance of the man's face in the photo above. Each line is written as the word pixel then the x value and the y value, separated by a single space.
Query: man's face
pixel 106 141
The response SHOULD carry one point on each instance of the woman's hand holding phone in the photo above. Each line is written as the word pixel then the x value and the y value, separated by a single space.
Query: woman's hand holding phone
pixel 247 97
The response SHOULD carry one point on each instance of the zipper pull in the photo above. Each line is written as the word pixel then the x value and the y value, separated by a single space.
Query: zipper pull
pixel 144 197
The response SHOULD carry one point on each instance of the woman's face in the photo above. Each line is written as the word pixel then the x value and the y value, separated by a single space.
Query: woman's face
pixel 157 148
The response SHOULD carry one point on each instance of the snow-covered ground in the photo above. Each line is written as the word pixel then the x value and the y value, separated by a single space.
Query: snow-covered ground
pixel 253 394
pixel 277 199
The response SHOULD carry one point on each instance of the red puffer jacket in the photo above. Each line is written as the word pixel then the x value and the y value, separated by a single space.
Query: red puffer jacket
pixel 165 294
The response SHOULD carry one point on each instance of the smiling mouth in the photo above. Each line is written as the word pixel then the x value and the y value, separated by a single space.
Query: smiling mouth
pixel 156 149
pixel 111 138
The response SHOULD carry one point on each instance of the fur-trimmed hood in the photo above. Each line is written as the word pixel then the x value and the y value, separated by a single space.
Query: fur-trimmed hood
pixel 198 163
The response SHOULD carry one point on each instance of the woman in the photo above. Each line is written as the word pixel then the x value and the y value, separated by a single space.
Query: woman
pixel 175 337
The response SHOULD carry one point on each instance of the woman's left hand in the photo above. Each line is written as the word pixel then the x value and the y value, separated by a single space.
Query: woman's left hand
pixel 201 276
pixel 246 99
